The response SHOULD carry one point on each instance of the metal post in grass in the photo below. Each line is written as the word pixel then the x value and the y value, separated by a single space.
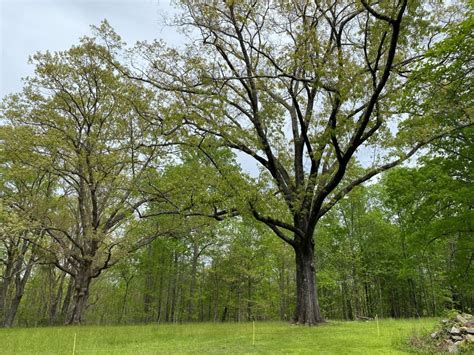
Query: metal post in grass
pixel 74 345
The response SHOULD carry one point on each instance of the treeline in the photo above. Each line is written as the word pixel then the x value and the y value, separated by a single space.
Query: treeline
pixel 400 248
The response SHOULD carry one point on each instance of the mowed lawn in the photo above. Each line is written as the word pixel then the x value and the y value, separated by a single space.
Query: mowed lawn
pixel 334 337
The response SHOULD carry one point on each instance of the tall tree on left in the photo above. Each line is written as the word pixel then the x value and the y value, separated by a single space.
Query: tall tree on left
pixel 80 121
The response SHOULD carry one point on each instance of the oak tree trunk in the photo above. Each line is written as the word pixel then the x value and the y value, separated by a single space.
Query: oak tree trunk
pixel 21 278
pixel 11 313
pixel 81 294
pixel 307 305
pixel 55 297
pixel 67 299
pixel 4 286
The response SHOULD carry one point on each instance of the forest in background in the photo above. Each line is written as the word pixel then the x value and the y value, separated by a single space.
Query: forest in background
pixel 378 256
pixel 122 199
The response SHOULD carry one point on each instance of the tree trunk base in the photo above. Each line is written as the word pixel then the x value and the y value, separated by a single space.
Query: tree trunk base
pixel 307 310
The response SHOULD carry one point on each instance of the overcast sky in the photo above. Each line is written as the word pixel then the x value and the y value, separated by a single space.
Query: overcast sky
pixel 28 26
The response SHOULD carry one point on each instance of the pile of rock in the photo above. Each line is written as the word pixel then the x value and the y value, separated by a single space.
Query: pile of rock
pixel 455 334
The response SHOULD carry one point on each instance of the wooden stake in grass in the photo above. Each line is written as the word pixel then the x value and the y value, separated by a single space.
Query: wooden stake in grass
pixel 74 345
pixel 253 332
pixel 378 327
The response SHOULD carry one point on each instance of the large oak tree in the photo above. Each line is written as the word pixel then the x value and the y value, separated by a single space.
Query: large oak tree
pixel 302 88
pixel 83 125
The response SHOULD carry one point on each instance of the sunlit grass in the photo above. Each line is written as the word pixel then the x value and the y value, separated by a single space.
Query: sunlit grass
pixel 334 337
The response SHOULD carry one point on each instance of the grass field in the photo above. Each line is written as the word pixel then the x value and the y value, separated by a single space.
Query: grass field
pixel 334 337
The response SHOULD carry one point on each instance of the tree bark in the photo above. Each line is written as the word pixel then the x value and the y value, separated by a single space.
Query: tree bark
pixel 149 286
pixel 55 300
pixel 124 301
pixel 307 304
pixel 67 299
pixel 4 286
pixel 11 313
pixel 175 291
pixel 192 287
pixel 160 293
pixel 20 283
pixel 81 294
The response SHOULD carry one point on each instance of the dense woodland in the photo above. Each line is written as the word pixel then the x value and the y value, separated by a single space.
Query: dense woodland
pixel 127 195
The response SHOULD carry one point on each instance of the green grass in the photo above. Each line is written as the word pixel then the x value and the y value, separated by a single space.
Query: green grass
pixel 334 337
